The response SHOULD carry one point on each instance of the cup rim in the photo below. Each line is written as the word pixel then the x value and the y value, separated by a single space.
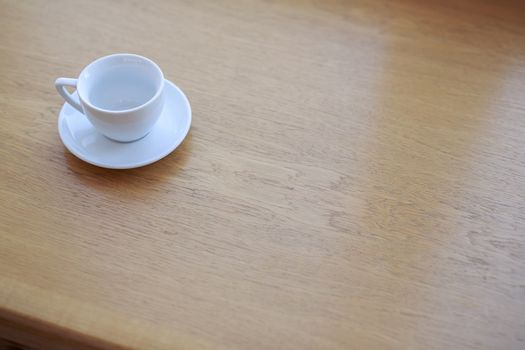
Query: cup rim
pixel 121 111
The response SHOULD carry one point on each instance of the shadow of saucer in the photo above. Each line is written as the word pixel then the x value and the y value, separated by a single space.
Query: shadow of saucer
pixel 130 183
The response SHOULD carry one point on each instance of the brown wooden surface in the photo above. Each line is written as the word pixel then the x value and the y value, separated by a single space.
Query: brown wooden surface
pixel 354 178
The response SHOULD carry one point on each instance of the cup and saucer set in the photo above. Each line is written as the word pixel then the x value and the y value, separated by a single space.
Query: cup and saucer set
pixel 123 114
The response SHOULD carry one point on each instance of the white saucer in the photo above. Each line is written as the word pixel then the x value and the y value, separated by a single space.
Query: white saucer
pixel 80 137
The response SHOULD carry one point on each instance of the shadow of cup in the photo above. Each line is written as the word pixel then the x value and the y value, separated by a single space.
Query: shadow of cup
pixel 130 183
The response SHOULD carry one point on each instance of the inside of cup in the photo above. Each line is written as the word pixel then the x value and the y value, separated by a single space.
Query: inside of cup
pixel 119 82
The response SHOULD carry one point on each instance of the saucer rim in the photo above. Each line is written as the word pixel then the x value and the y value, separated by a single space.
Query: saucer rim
pixel 133 165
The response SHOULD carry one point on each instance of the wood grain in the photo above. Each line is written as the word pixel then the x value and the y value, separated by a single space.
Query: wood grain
pixel 354 179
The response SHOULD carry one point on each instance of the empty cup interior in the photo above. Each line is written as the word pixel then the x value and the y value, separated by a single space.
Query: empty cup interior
pixel 120 82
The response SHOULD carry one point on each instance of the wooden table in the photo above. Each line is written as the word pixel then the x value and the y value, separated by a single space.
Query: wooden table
pixel 354 178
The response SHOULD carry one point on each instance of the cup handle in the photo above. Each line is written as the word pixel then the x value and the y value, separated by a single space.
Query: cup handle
pixel 61 84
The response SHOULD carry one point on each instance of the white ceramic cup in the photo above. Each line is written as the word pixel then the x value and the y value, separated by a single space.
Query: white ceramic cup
pixel 121 95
